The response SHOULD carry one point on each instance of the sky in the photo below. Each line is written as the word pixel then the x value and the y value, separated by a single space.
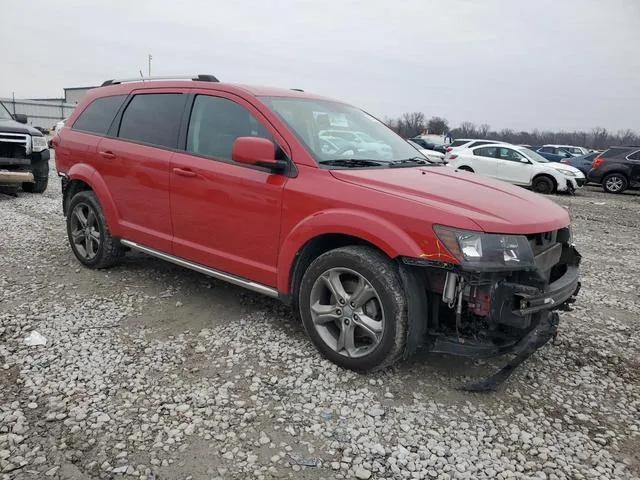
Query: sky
pixel 521 64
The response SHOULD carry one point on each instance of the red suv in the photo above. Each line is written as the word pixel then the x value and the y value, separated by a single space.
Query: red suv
pixel 378 250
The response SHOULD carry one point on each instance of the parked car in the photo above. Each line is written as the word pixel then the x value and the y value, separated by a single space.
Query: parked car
pixel 429 145
pixel 24 154
pixel 374 254
pixel 54 131
pixel 359 139
pixel 553 157
pixel 582 163
pixel 563 150
pixel 617 169
pixel 432 155
pixel 463 143
pixel 518 165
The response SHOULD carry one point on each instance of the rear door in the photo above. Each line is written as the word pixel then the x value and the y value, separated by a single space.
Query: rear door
pixel 137 164
pixel 513 167
pixel 484 161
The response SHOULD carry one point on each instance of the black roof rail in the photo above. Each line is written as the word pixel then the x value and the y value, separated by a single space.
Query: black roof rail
pixel 298 89
pixel 196 78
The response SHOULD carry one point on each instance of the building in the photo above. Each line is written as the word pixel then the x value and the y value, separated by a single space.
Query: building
pixel 75 95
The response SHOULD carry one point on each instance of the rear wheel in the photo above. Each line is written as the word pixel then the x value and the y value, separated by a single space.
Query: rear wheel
pixel 543 184
pixel 353 307
pixel 615 183
pixel 41 178
pixel 89 234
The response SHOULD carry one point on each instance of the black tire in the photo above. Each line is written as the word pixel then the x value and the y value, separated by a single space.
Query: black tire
pixel 466 169
pixel 109 251
pixel 615 183
pixel 383 275
pixel 41 176
pixel 543 184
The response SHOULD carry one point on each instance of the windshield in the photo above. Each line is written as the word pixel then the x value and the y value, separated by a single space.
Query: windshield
pixel 534 156
pixel 4 113
pixel 317 123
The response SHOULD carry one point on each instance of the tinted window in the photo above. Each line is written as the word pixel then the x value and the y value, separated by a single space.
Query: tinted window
pixel 457 143
pixel 547 149
pixel 509 154
pixel 153 118
pixel 216 123
pixel 97 117
pixel 612 152
pixel 486 152
pixel 635 156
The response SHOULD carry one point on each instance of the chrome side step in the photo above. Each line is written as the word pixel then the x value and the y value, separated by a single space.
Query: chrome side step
pixel 226 277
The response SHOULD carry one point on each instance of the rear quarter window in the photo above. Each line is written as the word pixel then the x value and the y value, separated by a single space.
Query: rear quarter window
pixel 635 156
pixel 457 143
pixel 97 117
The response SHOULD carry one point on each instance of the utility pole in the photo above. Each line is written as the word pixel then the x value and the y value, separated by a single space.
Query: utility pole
pixel 150 57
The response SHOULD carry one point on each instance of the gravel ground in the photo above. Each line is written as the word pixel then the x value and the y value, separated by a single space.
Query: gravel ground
pixel 155 372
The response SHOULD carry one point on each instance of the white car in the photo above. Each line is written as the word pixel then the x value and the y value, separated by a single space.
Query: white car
pixel 430 154
pixel 519 166
pixel 571 149
pixel 462 143
pixel 360 140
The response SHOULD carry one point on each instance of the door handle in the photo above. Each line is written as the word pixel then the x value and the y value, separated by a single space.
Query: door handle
pixel 184 172
pixel 108 155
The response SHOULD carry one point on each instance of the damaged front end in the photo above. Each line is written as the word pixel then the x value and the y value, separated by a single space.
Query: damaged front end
pixel 500 298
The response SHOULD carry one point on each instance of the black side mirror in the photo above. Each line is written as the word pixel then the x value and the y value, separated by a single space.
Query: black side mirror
pixel 20 117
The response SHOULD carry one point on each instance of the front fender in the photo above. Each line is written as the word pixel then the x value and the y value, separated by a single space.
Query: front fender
pixel 366 226
pixel 90 176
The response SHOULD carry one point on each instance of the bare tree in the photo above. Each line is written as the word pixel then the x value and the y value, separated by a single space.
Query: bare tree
pixel 438 126
pixel 484 130
pixel 468 129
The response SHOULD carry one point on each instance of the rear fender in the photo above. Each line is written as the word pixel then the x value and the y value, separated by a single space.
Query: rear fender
pixel 377 231
pixel 90 176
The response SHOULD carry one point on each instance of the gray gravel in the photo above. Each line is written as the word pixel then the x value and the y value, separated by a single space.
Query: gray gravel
pixel 155 372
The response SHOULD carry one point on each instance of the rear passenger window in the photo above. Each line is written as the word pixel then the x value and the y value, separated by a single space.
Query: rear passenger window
pixel 457 143
pixel 97 117
pixel 486 152
pixel 153 118
pixel 216 123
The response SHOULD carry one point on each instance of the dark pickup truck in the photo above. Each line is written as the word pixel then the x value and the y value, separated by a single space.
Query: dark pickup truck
pixel 24 154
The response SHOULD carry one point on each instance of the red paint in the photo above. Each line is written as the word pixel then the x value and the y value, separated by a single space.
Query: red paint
pixel 251 222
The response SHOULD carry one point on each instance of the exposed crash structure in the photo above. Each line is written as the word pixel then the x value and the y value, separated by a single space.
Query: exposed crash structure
pixel 502 296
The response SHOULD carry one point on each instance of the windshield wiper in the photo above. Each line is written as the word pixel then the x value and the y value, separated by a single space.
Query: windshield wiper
pixel 353 162
pixel 410 162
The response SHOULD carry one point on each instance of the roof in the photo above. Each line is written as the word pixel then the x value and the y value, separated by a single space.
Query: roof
pixel 258 91
pixel 79 88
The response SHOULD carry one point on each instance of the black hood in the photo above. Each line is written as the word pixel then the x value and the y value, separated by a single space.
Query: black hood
pixel 11 126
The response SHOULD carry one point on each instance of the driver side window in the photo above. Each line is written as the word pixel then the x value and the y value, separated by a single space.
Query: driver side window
pixel 216 123
pixel 509 154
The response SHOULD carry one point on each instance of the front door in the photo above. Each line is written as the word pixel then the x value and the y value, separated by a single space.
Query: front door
pixel 513 167
pixel 135 166
pixel 226 215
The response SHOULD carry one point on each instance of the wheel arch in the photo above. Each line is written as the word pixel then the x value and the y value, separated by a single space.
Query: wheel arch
pixel 320 233
pixel 82 177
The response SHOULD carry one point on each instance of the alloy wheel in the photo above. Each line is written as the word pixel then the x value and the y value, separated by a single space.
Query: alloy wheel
pixel 347 312
pixel 614 184
pixel 85 231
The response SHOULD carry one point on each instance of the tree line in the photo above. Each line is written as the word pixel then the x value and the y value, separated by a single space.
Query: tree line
pixel 412 124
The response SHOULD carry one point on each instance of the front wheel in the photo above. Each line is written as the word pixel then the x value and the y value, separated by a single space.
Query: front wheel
pixel 40 176
pixel 353 307
pixel 543 185
pixel 615 183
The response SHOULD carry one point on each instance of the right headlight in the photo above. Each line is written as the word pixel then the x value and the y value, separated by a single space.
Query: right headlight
pixel 486 251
